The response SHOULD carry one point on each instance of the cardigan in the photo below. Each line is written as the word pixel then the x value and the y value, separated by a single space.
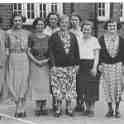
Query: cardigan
pixel 57 54
pixel 104 55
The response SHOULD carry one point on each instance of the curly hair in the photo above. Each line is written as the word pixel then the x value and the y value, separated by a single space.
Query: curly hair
pixel 112 21
pixel 47 18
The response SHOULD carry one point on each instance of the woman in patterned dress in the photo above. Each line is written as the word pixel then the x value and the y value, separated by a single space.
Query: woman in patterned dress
pixel 64 55
pixel 76 29
pixel 88 85
pixel 18 64
pixel 39 79
pixel 111 66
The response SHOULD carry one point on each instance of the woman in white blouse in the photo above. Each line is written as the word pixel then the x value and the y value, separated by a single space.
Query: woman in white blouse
pixel 87 87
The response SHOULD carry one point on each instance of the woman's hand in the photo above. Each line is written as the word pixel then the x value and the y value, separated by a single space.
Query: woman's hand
pixel 94 71
pixel 100 68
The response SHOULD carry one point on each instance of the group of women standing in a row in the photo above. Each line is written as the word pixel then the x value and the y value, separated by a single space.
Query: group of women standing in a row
pixel 62 58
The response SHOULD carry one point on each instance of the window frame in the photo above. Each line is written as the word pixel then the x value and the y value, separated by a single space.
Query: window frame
pixel 122 12
pixel 37 10
pixel 106 17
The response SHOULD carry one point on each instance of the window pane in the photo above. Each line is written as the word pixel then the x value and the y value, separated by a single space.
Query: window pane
pixel 30 10
pixel 19 6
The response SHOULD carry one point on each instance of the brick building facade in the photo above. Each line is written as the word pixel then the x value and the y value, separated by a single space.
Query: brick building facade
pixel 97 12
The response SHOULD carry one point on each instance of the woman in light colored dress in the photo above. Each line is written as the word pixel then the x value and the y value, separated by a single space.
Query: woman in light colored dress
pixel 76 29
pixel 3 88
pixel 112 66
pixel 18 64
pixel 39 78
pixel 64 55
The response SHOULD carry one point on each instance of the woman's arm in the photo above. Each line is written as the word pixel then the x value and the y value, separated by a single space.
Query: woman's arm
pixel 96 61
pixel 51 46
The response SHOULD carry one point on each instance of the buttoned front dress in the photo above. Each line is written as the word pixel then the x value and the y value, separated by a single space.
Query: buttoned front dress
pixel 18 63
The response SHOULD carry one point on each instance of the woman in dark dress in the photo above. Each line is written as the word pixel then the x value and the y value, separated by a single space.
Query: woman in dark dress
pixel 39 78
pixel 112 66
pixel 87 86
pixel 64 55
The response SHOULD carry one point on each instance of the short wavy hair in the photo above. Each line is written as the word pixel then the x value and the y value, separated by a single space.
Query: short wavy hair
pixel 47 18
pixel 87 22
pixel 112 21
pixel 15 15
pixel 35 22
pixel 77 15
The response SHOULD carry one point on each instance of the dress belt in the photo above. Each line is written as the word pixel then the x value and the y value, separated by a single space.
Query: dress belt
pixel 17 50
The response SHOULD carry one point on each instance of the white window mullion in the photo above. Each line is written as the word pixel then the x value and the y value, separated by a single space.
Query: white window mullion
pixel 60 8
pixel 106 10
pixel 122 17
pixel 48 8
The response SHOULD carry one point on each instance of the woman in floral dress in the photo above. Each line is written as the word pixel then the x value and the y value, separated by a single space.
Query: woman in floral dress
pixel 64 55
pixel 111 66
pixel 18 64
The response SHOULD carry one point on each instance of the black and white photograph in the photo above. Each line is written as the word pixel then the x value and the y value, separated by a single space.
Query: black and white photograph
pixel 61 62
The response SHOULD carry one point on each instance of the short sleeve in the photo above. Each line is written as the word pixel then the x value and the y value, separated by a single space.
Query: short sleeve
pixel 95 44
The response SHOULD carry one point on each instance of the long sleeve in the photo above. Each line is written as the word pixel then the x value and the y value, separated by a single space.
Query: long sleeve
pixel 76 51
pixel 50 50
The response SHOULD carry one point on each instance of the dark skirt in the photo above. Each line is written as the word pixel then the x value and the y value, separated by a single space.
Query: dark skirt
pixel 87 85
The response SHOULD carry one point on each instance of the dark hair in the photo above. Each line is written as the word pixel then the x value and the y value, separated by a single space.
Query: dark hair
pixel 35 22
pixel 17 14
pixel 112 21
pixel 75 14
pixel 52 13
pixel 87 22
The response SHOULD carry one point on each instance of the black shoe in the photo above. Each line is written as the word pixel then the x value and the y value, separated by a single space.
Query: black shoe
pixel 109 114
pixel 69 113
pixel 78 108
pixel 57 114
pixel 117 115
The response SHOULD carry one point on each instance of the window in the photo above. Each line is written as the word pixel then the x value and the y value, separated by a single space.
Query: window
pixel 122 12
pixel 33 10
pixel 43 10
pixel 103 11
pixel 17 8
pixel 54 7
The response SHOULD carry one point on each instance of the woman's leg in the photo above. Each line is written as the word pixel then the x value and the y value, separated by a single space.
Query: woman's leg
pixel 70 105
pixel 38 107
pixel 110 110
pixel 43 107
pixel 117 113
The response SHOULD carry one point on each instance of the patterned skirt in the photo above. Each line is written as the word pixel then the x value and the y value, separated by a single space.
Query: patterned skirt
pixel 63 82
pixel 112 81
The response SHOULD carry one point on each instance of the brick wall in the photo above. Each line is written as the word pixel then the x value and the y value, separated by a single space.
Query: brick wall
pixel 5 14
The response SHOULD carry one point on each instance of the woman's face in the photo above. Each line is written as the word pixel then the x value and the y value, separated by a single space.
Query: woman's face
pixel 75 21
pixel 17 22
pixel 39 26
pixel 87 29
pixel 112 27
pixel 53 20
pixel 64 24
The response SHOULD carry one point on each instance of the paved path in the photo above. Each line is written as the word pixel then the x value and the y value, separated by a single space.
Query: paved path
pixel 99 118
